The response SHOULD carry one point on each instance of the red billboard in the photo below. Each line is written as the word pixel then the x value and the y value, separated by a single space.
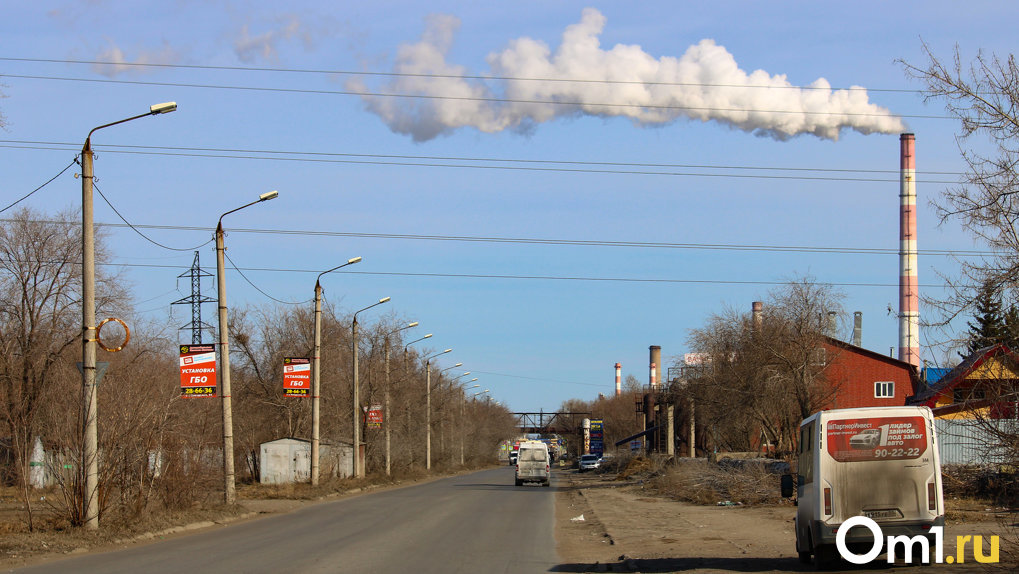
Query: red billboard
pixel 375 417
pixel 296 377
pixel 197 371
pixel 883 438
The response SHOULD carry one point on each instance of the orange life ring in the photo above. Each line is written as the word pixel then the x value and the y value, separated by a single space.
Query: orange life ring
pixel 99 340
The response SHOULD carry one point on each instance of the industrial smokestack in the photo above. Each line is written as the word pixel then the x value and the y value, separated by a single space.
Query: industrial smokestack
pixel 656 359
pixel 858 329
pixel 757 315
pixel 619 386
pixel 909 296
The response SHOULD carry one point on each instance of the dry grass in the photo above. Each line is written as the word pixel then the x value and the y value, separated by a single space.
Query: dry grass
pixel 704 482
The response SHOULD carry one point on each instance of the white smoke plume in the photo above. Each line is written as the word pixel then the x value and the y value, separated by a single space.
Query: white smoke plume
pixel 703 84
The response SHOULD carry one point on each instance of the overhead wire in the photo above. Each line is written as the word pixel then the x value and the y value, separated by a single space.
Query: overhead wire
pixel 49 181
pixel 131 226
pixel 259 289
pixel 460 98
pixel 583 167
pixel 434 76
pixel 559 242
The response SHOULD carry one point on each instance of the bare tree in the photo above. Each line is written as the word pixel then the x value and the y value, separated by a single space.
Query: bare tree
pixel 983 96
pixel 40 305
pixel 765 373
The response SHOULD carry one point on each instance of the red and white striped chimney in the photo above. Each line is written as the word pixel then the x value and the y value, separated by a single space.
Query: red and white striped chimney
pixel 909 295
pixel 619 385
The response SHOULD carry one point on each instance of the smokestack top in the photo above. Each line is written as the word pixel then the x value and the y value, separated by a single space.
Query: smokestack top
pixel 619 366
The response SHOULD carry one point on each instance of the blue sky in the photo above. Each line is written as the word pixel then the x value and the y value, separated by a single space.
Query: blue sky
pixel 298 98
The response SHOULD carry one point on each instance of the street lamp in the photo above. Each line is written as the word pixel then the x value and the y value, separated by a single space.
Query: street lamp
pixel 229 489
pixel 428 408
pixel 442 426
pixel 90 442
pixel 385 415
pixel 463 399
pixel 358 468
pixel 406 370
pixel 316 384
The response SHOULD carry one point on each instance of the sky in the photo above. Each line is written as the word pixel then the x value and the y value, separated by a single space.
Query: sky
pixel 548 188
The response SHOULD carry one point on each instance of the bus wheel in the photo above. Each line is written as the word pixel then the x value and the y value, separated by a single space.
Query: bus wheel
pixel 823 556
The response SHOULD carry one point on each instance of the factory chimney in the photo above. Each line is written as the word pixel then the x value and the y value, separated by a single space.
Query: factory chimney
pixel 857 329
pixel 656 360
pixel 909 296
pixel 757 315
pixel 619 386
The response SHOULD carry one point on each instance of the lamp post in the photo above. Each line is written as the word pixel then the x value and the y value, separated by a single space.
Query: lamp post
pixel 386 412
pixel 316 384
pixel 358 468
pixel 229 486
pixel 428 408
pixel 442 418
pixel 463 399
pixel 90 432
pixel 406 370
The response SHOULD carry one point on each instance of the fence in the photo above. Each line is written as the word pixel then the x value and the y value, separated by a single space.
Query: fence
pixel 969 441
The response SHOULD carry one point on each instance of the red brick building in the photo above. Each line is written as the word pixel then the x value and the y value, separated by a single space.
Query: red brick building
pixel 862 378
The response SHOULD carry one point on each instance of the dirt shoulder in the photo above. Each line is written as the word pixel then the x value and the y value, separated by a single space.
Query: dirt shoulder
pixel 625 529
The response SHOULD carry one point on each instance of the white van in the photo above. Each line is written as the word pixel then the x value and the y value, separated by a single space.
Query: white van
pixel 878 462
pixel 533 463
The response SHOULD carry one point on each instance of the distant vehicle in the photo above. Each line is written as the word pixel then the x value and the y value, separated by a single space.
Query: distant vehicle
pixel 878 462
pixel 589 462
pixel 533 464
pixel 513 457
pixel 869 438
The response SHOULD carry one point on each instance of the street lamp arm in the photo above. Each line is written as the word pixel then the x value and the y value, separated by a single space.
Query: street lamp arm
pixel 264 197
pixel 155 109
pixel 381 301
pixel 349 262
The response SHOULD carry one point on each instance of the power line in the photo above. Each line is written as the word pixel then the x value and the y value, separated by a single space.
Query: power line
pixel 551 241
pixel 509 164
pixel 442 76
pixel 138 231
pixel 49 181
pixel 512 277
pixel 459 98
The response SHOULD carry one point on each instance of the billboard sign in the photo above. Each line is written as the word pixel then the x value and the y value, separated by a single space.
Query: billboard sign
pixel 296 377
pixel 375 417
pixel 597 436
pixel 881 438
pixel 197 371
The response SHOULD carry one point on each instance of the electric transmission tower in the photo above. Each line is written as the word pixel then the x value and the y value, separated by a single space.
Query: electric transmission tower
pixel 196 299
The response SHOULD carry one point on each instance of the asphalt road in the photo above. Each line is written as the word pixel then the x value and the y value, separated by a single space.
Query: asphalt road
pixel 474 523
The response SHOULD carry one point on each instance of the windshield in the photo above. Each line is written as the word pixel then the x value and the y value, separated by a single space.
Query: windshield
pixel 588 457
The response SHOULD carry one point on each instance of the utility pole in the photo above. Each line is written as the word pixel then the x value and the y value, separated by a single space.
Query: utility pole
pixel 90 417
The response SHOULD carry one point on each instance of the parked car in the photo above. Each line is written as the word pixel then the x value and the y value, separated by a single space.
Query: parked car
pixel 589 462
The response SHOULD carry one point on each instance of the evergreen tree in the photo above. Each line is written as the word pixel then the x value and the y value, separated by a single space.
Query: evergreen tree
pixel 989 325
pixel 1012 327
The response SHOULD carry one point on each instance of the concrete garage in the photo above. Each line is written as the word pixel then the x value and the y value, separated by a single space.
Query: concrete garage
pixel 288 460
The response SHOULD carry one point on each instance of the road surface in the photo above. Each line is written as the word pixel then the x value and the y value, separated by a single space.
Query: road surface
pixel 473 523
